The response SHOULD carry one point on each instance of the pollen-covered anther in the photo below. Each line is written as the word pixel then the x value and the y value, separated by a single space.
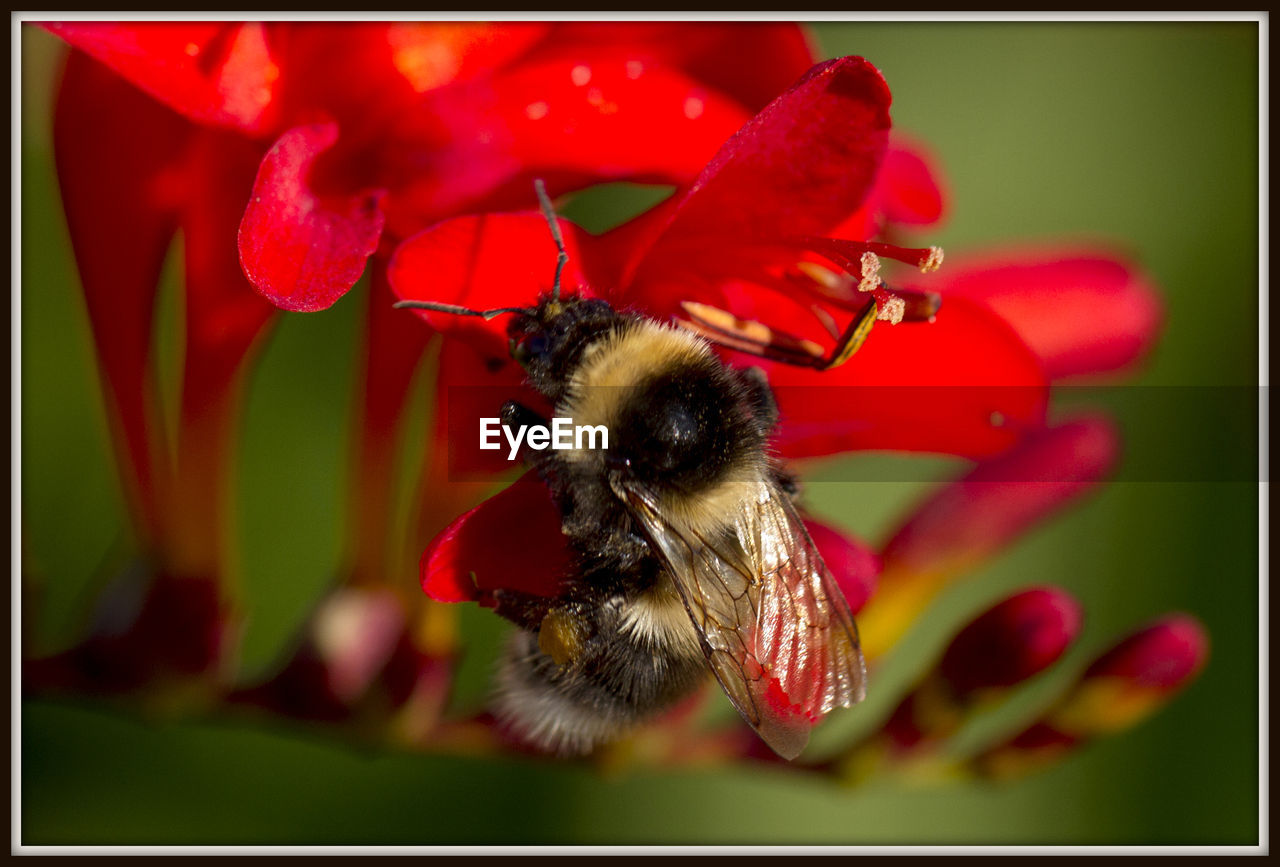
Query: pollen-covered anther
pixel 933 261
pixel 870 272
pixel 891 310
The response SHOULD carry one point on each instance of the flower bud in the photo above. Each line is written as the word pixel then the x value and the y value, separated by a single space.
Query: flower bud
pixel 1122 687
pixel 1008 644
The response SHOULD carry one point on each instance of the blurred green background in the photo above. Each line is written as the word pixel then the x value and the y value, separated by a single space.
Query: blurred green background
pixel 1142 134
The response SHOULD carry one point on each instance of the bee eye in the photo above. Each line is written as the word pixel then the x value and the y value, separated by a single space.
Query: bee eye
pixel 518 353
pixel 536 345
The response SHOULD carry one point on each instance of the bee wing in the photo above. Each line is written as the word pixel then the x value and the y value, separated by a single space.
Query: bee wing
pixel 775 627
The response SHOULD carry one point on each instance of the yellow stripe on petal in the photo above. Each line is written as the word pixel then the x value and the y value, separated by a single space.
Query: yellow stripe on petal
pixel 1105 705
pixel 900 598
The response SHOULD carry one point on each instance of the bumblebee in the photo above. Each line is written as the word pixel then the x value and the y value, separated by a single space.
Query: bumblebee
pixel 689 554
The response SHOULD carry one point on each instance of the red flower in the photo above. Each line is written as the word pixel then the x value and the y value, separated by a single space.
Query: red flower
pixel 308 149
pixel 749 235
pixel 401 124
pixel 287 153
pixel 735 237
pixel 742 236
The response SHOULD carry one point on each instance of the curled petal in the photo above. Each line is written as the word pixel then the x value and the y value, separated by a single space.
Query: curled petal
pixel 799 167
pixel 302 249
pixel 964 384
pixel 1083 312
pixel 481 263
pixel 215 73
pixel 510 541
pixel 853 564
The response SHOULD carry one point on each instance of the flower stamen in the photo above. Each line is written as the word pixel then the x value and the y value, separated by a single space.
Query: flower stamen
pixel 870 272
pixel 890 309
pixel 747 335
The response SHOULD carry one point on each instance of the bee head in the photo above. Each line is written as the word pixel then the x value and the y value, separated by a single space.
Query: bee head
pixel 548 340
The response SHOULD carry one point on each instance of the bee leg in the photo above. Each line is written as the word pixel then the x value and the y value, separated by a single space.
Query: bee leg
pixel 517 416
pixel 562 628
pixel 563 634
pixel 525 610
pixel 760 395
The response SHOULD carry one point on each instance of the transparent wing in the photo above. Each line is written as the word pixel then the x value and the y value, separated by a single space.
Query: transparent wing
pixel 775 627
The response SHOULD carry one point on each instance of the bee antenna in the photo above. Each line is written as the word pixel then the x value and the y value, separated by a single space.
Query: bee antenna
pixel 549 212
pixel 455 309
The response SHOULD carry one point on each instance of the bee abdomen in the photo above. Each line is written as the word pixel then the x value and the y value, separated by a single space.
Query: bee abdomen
pixel 621 678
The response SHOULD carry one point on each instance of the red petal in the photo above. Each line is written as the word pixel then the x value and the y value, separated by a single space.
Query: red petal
pixel 359 72
pixel 220 74
pixel 1081 311
pixel 799 167
pixel 572 122
pixel 751 62
pixel 855 566
pixel 510 541
pixel 1001 498
pixel 908 189
pixel 484 262
pixel 1013 641
pixel 120 209
pixel 300 249
pixel 1164 655
pixel 964 384
pixel 432 54
pixel 908 192
pixel 224 321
